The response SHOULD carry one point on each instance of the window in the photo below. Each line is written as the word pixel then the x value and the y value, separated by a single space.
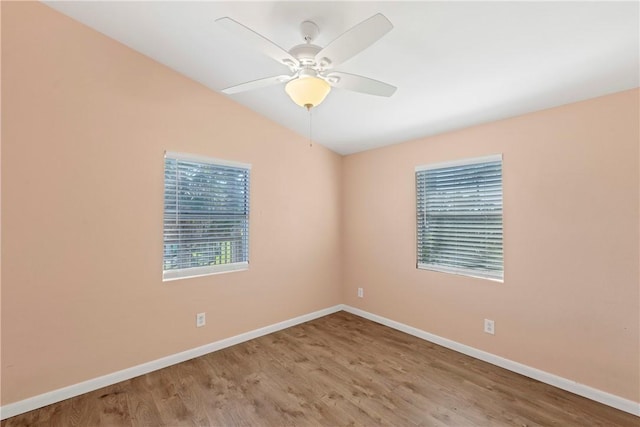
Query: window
pixel 206 216
pixel 459 216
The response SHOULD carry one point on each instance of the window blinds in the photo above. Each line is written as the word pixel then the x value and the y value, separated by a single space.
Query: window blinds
pixel 459 216
pixel 206 216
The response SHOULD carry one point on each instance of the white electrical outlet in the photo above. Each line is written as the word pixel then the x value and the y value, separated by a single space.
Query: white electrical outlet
pixel 360 293
pixel 201 320
pixel 489 326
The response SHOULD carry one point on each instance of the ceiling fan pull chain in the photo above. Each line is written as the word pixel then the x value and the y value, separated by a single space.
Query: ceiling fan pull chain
pixel 310 140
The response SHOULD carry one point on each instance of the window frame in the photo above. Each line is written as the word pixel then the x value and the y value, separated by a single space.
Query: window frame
pixel 469 272
pixel 190 272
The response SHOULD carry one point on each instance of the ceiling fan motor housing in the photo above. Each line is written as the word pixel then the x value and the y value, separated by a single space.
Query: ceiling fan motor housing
pixel 305 53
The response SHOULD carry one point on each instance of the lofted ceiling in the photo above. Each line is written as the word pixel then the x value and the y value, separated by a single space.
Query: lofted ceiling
pixel 455 64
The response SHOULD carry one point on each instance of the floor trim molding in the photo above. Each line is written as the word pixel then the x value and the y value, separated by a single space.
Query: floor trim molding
pixel 537 374
pixel 35 402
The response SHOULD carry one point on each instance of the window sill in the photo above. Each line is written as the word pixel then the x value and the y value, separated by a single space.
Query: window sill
pixel 188 273
pixel 459 271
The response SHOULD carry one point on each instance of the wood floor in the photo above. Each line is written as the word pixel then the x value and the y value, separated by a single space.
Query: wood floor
pixel 338 370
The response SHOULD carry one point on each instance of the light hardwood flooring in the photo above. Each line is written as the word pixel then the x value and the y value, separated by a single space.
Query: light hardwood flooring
pixel 338 370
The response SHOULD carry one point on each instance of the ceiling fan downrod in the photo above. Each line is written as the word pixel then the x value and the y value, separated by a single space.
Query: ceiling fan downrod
pixel 309 31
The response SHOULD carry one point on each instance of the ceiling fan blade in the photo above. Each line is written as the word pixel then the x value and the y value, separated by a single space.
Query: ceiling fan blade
pixel 258 42
pixel 257 84
pixel 357 83
pixel 355 40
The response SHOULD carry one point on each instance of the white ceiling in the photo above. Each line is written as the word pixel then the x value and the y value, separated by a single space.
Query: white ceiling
pixel 455 64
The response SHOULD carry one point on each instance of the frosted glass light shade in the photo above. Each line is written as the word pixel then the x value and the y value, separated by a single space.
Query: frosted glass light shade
pixel 307 91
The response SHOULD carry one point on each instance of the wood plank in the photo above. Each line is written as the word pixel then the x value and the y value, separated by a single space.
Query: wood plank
pixel 337 370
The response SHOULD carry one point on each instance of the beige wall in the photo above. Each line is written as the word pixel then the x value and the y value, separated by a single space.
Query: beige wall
pixel 85 124
pixel 569 304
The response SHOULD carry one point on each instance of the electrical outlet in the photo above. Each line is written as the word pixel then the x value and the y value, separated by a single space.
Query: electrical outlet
pixel 489 326
pixel 200 320
pixel 360 293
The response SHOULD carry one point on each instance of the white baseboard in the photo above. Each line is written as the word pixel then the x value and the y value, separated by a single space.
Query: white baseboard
pixel 542 376
pixel 58 395
pixel 26 405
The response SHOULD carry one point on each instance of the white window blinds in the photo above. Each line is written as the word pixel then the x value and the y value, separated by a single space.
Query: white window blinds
pixel 206 216
pixel 459 216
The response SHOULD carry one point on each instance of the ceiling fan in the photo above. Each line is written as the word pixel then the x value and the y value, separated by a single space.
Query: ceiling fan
pixel 312 67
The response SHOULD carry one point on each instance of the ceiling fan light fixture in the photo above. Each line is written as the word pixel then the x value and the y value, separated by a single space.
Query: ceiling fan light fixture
pixel 307 92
